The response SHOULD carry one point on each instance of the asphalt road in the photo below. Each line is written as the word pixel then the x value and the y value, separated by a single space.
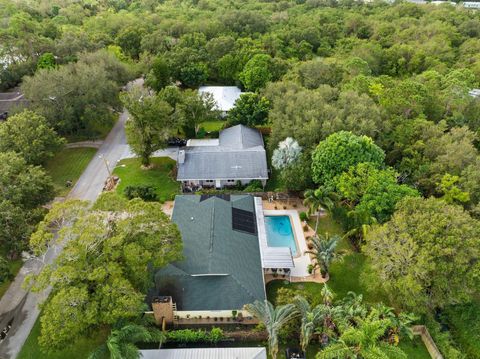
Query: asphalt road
pixel 20 307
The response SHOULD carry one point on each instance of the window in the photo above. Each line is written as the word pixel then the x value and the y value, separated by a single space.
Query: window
pixel 209 181
pixel 231 181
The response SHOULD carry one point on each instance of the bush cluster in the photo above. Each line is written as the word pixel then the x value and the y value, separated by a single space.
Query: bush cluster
pixel 147 193
pixel 195 336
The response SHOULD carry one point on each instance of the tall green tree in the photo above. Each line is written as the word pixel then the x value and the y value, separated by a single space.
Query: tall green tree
pixel 427 255
pixel 105 268
pixel 250 109
pixel 372 191
pixel 29 135
pixel 338 152
pixel 22 184
pixel 273 319
pixel 192 109
pixel 257 72
pixel 150 122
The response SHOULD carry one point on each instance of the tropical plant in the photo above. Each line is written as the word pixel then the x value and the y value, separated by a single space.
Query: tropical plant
pixel 273 319
pixel 325 252
pixel 353 308
pixel 310 319
pixel 319 198
pixel 363 341
pixel 121 342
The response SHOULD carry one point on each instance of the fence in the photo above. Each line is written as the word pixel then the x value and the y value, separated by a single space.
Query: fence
pixel 428 341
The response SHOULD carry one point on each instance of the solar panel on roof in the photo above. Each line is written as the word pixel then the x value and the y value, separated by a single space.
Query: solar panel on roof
pixel 243 221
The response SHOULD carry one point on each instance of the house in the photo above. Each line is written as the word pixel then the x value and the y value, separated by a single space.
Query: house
pixel 224 96
pixel 474 92
pixel 472 5
pixel 222 266
pixel 238 155
pixel 206 353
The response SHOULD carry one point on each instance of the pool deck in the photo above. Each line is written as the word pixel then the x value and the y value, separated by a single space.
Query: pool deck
pixel 302 260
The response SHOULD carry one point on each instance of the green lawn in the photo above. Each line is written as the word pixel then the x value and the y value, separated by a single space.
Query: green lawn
pixel 159 177
pixel 79 350
pixel 68 164
pixel 210 126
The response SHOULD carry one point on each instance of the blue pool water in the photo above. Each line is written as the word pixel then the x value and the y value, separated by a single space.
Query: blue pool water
pixel 280 233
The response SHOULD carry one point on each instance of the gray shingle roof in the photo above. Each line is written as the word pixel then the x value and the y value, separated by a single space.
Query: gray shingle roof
pixel 239 155
pixel 222 268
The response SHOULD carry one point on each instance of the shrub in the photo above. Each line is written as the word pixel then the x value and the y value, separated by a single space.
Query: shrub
pixel 310 268
pixel 5 273
pixel 305 228
pixel 303 216
pixel 254 186
pixel 195 336
pixel 147 193
pixel 201 133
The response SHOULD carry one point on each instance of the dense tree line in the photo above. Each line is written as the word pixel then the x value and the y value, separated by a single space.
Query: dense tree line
pixel 375 96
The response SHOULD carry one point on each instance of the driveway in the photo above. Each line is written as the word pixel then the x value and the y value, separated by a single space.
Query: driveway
pixel 20 307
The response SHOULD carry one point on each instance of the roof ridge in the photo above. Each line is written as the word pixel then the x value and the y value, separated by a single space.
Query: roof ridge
pixel 241 285
pixel 212 235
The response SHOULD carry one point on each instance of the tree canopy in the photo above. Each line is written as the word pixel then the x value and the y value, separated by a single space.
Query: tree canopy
pixel 427 255
pixel 338 152
pixel 103 272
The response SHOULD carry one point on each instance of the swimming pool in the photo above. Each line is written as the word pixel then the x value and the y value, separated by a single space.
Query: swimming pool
pixel 280 232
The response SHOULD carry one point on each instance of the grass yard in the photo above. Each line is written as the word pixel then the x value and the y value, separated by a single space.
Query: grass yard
pixel 210 126
pixel 79 350
pixel 159 177
pixel 68 164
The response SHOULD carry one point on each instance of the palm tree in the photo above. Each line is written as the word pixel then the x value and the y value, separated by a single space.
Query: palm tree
pixel 273 319
pixel 120 343
pixel 324 251
pixel 310 320
pixel 363 341
pixel 316 199
pixel 362 223
pixel 353 308
pixel 327 295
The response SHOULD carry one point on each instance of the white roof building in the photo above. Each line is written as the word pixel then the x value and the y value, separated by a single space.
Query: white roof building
pixel 472 5
pixel 206 353
pixel 224 96
pixel 474 92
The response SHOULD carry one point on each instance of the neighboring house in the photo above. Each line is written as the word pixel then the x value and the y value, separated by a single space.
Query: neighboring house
pixel 238 155
pixel 222 266
pixel 474 92
pixel 206 353
pixel 472 5
pixel 224 96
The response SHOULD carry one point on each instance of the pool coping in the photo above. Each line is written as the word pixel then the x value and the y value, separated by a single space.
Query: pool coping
pixel 297 245
pixel 301 261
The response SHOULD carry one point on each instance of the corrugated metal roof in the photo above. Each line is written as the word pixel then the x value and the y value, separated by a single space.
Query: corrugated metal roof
pixel 206 353
pixel 239 155
pixel 228 260
pixel 224 96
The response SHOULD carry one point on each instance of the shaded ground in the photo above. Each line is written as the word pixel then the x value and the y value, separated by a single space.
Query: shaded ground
pixel 80 350
pixel 14 268
pixel 68 165
pixel 159 177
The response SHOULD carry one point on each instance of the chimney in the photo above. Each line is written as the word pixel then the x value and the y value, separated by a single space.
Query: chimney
pixel 163 310
pixel 181 156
